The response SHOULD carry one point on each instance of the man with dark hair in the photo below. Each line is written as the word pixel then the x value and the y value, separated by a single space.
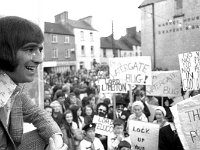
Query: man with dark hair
pixel 20 54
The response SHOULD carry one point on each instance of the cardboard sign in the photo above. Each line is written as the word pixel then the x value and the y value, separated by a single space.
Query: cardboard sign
pixel 190 70
pixel 133 70
pixel 111 86
pixel 165 83
pixel 104 126
pixel 187 120
pixel 144 136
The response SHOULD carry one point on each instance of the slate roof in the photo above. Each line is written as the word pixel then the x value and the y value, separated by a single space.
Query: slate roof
pixel 57 29
pixel 80 24
pixel 106 43
pixel 148 2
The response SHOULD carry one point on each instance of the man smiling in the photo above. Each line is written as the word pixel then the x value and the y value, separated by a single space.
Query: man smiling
pixel 20 54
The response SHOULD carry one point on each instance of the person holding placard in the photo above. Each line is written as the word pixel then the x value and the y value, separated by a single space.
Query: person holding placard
pixel 118 135
pixel 102 111
pixel 138 114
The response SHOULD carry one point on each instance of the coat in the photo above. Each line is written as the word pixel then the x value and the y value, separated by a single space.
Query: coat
pixel 23 109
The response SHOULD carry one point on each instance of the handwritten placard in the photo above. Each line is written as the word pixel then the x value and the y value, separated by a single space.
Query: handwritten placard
pixel 111 86
pixel 7 87
pixel 104 126
pixel 133 70
pixel 165 83
pixel 187 120
pixel 144 136
pixel 190 70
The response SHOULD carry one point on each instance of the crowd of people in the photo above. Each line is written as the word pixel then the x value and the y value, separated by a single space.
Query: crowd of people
pixel 72 99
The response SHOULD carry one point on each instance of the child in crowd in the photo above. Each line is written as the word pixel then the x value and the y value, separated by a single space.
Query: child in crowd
pixel 118 135
pixel 90 142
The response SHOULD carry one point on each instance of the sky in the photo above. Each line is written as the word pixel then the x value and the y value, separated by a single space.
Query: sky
pixel 123 13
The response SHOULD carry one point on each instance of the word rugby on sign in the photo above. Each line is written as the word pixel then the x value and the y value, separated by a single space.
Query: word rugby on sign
pixel 187 119
pixel 190 70
pixel 132 70
pixel 104 126
pixel 144 135
pixel 165 83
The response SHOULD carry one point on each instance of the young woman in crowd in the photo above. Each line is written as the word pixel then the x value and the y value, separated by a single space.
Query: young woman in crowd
pixel 77 118
pixel 160 114
pixel 68 128
pixel 88 114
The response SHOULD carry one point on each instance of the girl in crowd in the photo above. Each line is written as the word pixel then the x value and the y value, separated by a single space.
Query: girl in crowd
pixel 88 114
pixel 77 118
pixel 160 114
pixel 68 128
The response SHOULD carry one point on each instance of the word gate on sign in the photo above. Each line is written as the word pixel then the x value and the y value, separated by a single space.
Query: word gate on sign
pixel 131 70
pixel 190 70
pixel 165 83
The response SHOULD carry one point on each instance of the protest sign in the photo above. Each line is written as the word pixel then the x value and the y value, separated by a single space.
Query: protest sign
pixel 187 120
pixel 132 70
pixel 104 126
pixel 144 135
pixel 190 70
pixel 111 86
pixel 165 83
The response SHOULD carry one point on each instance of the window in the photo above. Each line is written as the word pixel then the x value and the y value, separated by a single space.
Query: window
pixel 83 50
pixel 54 38
pixel 125 54
pixel 67 53
pixel 92 50
pixel 66 39
pixel 55 53
pixel 82 36
pixel 104 53
pixel 178 4
pixel 91 37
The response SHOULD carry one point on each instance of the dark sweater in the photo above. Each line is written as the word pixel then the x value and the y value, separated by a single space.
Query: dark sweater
pixel 169 140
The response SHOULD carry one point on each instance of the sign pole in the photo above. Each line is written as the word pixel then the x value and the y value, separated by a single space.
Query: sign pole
pixel 130 96
pixel 114 106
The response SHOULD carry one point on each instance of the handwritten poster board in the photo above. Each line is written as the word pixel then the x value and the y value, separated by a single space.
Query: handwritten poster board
pixel 104 126
pixel 144 135
pixel 190 70
pixel 111 86
pixel 187 120
pixel 133 70
pixel 165 83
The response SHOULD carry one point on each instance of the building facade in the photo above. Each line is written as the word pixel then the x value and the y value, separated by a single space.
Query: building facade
pixel 59 48
pixel 127 46
pixel 168 28
pixel 87 40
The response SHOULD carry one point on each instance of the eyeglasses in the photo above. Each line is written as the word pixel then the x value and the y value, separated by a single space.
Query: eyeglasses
pixel 102 110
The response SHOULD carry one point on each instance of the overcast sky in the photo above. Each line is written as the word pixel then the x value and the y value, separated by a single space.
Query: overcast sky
pixel 124 13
